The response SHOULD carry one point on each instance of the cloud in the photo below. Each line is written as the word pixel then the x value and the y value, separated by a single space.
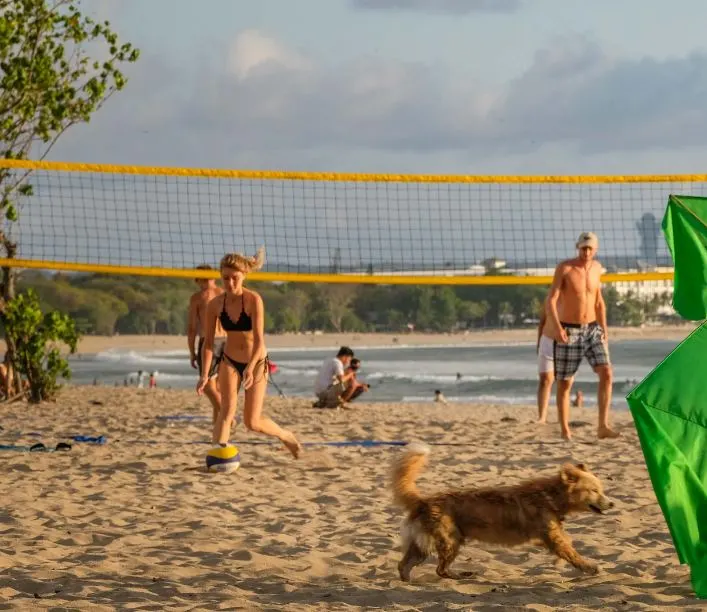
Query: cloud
pixel 455 7
pixel 268 104
pixel 291 101
pixel 572 92
pixel 252 51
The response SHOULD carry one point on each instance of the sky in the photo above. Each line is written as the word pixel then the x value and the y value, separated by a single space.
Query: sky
pixel 421 86
pixel 386 86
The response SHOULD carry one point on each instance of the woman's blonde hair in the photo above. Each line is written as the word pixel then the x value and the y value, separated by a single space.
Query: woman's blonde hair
pixel 243 263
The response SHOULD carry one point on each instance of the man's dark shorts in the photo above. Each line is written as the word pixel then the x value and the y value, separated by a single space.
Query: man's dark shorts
pixel 584 341
pixel 219 345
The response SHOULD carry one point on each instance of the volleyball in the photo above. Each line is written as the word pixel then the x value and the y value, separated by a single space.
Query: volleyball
pixel 223 459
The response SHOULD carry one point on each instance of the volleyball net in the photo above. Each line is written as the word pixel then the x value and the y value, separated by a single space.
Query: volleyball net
pixel 339 228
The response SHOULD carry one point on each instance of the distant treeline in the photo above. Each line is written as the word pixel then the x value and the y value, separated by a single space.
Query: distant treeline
pixel 106 304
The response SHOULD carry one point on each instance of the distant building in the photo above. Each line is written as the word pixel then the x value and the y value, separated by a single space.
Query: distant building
pixel 475 270
pixel 532 271
pixel 494 264
pixel 649 232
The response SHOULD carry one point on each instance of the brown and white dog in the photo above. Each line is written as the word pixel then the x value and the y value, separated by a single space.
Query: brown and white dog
pixel 531 512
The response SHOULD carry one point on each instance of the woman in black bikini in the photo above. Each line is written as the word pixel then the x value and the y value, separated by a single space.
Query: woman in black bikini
pixel 245 361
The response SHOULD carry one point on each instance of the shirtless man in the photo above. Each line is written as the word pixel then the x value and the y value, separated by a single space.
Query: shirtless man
pixel 197 310
pixel 354 387
pixel 578 326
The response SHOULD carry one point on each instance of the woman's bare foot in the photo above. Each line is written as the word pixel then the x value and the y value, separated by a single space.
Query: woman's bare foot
pixel 292 444
pixel 607 432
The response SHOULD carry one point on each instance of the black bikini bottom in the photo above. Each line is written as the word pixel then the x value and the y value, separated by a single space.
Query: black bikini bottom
pixel 240 367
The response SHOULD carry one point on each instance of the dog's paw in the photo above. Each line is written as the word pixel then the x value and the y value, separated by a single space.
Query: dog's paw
pixel 590 568
pixel 449 575
pixel 403 572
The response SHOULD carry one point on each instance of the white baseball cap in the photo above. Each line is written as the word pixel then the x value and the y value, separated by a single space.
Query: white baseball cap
pixel 588 239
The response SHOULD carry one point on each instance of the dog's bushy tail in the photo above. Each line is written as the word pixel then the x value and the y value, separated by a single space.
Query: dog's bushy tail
pixel 406 469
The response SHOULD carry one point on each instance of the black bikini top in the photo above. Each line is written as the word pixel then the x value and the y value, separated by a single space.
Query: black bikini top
pixel 244 323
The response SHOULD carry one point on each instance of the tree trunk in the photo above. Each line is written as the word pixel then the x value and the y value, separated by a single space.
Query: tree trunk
pixel 8 287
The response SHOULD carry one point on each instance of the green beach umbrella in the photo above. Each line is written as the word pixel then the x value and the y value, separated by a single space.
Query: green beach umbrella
pixel 685 229
pixel 669 406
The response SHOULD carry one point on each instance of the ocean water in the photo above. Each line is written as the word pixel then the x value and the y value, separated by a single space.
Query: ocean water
pixel 500 373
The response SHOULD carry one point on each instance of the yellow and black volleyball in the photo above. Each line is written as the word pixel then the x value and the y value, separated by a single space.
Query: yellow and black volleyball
pixel 223 459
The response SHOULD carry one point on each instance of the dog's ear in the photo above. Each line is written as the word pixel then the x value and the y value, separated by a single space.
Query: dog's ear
pixel 581 467
pixel 569 473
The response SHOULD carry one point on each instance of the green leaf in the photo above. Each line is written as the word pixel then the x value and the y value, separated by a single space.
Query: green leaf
pixel 11 213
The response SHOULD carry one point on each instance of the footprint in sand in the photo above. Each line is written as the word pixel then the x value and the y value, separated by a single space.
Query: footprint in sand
pixel 275 527
pixel 325 500
pixel 241 555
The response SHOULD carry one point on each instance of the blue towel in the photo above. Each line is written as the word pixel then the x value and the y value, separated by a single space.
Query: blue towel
pixel 190 418
pixel 13 447
pixel 363 443
pixel 340 444
pixel 184 417
pixel 91 439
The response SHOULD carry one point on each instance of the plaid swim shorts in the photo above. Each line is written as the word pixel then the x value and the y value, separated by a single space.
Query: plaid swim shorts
pixel 584 341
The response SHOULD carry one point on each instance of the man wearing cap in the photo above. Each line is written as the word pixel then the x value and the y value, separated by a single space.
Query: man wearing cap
pixel 576 315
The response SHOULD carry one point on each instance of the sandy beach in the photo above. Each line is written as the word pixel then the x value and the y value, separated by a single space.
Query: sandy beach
pixel 136 523
pixel 96 344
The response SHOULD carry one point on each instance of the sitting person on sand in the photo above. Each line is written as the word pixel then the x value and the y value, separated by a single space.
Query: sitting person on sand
pixel 354 388
pixel 439 397
pixel 332 379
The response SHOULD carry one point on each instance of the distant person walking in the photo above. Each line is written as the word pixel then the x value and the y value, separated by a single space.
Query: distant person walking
pixel 576 315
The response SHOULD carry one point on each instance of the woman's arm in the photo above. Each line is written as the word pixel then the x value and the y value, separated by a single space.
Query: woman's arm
pixel 259 351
